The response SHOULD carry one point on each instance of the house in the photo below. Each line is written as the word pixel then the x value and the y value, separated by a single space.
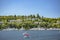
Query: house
pixel 18 20
pixel 37 22
pixel 58 22
pixel 1 22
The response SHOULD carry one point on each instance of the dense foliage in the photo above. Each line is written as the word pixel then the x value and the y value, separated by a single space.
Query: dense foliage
pixel 28 22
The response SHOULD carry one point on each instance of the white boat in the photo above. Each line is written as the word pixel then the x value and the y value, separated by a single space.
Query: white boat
pixel 26 35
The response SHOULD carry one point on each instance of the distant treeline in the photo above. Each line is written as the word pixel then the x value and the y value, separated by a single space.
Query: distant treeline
pixel 28 22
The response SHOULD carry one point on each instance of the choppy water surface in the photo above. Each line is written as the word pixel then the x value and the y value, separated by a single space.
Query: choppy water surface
pixel 34 35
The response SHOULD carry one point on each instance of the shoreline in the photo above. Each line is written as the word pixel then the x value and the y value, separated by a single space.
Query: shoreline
pixel 9 29
pixel 45 29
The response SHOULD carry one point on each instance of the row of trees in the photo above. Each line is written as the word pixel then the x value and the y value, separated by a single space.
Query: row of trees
pixel 28 22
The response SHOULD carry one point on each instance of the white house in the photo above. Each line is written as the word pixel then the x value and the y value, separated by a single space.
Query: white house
pixel 18 20
pixel 1 22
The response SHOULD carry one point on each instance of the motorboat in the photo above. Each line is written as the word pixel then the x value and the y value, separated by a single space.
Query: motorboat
pixel 26 35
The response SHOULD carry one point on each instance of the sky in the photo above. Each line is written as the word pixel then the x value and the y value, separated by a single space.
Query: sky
pixel 46 8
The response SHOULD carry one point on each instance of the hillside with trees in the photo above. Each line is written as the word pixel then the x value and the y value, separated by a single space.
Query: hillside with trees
pixel 28 22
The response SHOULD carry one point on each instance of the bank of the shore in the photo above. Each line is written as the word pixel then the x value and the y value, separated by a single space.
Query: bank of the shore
pixel 45 29
pixel 8 29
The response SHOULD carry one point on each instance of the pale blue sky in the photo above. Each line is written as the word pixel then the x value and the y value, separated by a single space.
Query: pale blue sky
pixel 46 8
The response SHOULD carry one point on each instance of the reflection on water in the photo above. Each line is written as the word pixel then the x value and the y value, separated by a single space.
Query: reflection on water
pixel 34 35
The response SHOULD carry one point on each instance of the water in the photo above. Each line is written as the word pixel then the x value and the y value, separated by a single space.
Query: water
pixel 34 35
